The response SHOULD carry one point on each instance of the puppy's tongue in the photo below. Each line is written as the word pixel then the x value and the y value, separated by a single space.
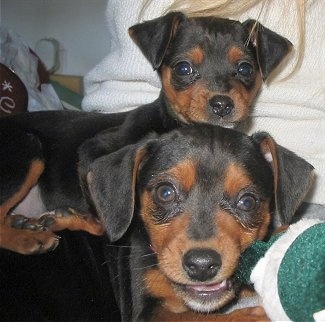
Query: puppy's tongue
pixel 209 288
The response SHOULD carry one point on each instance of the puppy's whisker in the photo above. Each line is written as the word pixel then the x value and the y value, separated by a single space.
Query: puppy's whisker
pixel 115 277
pixel 144 267
pixel 170 250
pixel 148 255
pixel 121 246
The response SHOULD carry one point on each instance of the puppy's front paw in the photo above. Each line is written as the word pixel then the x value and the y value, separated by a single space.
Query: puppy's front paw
pixel 18 221
pixel 69 218
pixel 35 242
pixel 26 237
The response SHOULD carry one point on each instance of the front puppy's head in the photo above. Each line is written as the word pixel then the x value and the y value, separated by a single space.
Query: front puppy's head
pixel 211 68
pixel 204 194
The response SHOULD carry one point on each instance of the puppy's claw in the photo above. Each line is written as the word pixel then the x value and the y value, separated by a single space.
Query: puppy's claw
pixel 48 245
pixel 56 240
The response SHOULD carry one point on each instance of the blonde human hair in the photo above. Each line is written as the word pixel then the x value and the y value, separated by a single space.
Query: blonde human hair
pixel 235 8
pixel 221 8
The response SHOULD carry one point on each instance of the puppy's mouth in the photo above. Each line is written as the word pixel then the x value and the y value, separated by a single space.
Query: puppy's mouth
pixel 227 125
pixel 206 297
pixel 208 290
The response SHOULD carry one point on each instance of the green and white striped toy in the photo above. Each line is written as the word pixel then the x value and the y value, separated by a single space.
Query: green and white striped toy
pixel 288 272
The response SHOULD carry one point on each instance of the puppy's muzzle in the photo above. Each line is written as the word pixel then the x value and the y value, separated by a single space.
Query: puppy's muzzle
pixel 201 264
pixel 221 105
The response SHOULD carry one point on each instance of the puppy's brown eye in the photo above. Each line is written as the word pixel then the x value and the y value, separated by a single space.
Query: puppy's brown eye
pixel 245 69
pixel 183 68
pixel 247 202
pixel 165 193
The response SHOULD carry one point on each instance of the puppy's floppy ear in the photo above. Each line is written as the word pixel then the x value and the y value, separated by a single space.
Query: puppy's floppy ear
pixel 293 177
pixel 153 36
pixel 112 183
pixel 271 48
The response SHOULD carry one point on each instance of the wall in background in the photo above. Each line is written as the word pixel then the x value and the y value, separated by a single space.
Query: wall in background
pixel 78 25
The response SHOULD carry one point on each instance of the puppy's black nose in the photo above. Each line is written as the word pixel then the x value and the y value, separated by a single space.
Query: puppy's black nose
pixel 201 264
pixel 221 105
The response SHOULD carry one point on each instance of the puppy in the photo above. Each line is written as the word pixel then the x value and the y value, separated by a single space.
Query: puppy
pixel 181 208
pixel 211 71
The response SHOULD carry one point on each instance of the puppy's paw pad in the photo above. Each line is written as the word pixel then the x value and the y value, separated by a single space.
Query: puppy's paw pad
pixel 16 221
pixel 47 220
pixel 50 219
pixel 21 222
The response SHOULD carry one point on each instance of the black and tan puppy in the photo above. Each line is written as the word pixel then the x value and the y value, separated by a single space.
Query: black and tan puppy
pixel 182 208
pixel 211 71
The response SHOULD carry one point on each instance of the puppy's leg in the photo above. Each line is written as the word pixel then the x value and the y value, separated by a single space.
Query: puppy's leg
pixel 24 241
pixel 27 242
pixel 35 235
pixel 21 165
pixel 71 219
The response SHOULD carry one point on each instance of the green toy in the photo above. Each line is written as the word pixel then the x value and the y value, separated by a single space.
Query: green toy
pixel 288 272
